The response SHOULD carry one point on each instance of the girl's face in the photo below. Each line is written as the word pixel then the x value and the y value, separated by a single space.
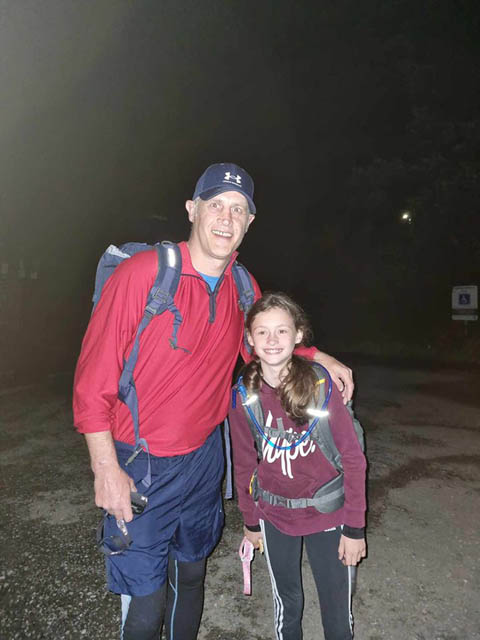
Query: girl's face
pixel 273 336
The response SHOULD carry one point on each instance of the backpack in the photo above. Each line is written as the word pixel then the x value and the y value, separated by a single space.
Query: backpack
pixel 330 496
pixel 159 300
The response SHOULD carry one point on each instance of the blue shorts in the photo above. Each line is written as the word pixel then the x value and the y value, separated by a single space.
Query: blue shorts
pixel 184 516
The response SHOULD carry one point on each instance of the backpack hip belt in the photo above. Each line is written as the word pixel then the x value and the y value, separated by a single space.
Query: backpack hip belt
pixel 329 497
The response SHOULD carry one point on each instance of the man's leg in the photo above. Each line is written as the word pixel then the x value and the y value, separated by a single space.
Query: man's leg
pixel 283 554
pixel 198 531
pixel 333 581
pixel 141 570
pixel 185 599
pixel 145 615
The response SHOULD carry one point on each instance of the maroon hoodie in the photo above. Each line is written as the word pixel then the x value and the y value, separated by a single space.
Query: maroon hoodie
pixel 299 472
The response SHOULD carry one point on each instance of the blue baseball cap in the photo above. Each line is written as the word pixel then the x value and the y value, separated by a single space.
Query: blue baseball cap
pixel 225 176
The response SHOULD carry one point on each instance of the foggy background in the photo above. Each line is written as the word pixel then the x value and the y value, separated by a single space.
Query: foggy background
pixel 347 114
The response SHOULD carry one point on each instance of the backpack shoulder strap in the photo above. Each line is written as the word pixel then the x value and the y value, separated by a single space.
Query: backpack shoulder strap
pixel 253 409
pixel 164 288
pixel 160 299
pixel 168 276
pixel 246 293
pixel 322 433
pixel 357 426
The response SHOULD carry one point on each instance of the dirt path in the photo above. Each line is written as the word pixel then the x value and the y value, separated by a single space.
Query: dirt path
pixel 420 581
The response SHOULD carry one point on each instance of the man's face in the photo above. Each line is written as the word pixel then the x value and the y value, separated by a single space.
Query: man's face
pixel 218 224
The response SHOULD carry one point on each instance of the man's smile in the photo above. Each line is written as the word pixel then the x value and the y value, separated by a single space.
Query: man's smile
pixel 222 234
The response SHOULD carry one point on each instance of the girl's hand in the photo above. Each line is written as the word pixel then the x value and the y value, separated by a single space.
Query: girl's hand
pixel 350 551
pixel 255 537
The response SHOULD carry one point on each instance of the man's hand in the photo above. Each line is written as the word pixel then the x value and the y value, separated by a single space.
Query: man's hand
pixel 112 492
pixel 112 485
pixel 255 537
pixel 341 375
pixel 350 551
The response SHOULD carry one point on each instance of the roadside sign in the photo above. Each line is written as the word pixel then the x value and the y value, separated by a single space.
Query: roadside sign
pixel 465 303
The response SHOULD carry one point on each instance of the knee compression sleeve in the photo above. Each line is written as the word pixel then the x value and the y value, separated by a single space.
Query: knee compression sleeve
pixel 185 599
pixel 145 616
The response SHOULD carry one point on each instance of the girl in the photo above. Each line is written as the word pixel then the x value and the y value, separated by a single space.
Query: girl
pixel 285 464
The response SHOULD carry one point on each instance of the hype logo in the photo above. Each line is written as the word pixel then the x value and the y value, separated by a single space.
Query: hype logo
pixel 272 453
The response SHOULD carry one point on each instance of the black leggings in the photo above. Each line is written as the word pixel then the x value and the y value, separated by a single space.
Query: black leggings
pixel 332 579
pixel 180 603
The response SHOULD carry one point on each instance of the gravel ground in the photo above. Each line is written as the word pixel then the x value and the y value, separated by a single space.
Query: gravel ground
pixel 419 582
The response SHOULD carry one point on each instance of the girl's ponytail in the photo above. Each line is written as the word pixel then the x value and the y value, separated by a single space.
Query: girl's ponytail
pixel 297 390
pixel 252 375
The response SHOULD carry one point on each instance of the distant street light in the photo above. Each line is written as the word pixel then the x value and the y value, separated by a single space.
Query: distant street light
pixel 406 217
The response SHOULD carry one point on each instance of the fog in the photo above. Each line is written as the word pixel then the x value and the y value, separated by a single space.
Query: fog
pixel 110 111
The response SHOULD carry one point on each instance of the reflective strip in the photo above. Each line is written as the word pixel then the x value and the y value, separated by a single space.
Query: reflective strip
pixel 174 588
pixel 318 413
pixel 125 607
pixel 171 257
pixel 250 400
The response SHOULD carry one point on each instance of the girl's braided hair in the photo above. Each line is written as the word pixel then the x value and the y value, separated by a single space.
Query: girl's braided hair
pixel 297 388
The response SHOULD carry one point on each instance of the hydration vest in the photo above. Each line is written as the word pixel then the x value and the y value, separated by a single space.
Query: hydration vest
pixel 330 496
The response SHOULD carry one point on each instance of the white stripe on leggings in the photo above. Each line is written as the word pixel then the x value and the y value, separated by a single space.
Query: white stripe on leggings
pixel 351 578
pixel 278 608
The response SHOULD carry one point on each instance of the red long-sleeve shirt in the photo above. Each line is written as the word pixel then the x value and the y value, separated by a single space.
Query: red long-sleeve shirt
pixel 299 472
pixel 183 393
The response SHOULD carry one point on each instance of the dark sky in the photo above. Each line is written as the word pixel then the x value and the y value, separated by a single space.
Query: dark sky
pixel 110 110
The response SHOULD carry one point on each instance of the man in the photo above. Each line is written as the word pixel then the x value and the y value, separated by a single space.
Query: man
pixel 183 394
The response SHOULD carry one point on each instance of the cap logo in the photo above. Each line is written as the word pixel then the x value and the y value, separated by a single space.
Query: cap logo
pixel 229 178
